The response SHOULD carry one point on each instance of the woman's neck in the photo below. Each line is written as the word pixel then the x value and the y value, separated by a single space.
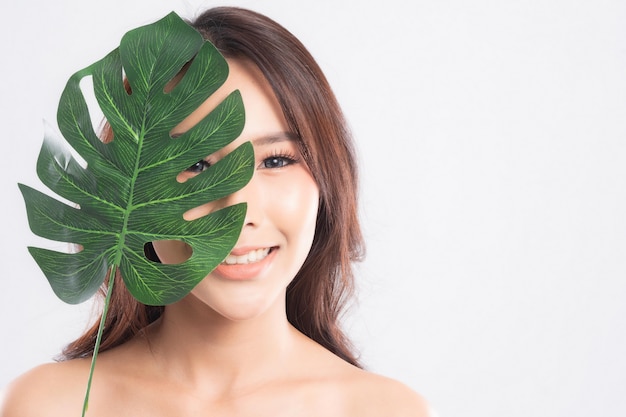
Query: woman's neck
pixel 193 343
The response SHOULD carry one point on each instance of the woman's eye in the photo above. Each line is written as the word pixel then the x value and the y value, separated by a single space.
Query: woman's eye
pixel 277 162
pixel 198 167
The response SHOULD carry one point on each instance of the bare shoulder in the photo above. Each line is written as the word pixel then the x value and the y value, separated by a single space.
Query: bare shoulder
pixel 53 389
pixel 352 391
pixel 377 395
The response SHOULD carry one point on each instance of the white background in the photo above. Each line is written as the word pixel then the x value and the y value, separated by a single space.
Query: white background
pixel 492 140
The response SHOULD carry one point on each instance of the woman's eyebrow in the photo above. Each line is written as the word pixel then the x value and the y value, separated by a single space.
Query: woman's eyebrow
pixel 274 138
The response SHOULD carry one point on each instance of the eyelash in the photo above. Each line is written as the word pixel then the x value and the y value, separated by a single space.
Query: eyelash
pixel 286 159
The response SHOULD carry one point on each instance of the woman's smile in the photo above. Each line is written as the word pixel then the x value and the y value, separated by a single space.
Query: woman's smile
pixel 242 256
pixel 245 264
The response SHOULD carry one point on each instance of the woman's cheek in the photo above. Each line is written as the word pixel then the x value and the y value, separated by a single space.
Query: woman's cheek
pixel 296 199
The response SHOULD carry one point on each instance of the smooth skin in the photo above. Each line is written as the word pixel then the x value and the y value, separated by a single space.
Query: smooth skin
pixel 227 349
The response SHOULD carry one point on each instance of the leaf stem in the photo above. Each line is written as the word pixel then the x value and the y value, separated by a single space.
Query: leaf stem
pixel 96 348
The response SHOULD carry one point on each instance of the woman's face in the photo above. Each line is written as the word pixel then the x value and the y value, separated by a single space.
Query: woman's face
pixel 282 200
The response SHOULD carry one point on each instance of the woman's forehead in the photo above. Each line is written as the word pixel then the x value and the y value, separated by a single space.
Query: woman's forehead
pixel 243 76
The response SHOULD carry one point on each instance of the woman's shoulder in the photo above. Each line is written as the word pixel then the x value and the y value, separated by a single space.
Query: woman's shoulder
pixel 359 392
pixel 377 395
pixel 51 389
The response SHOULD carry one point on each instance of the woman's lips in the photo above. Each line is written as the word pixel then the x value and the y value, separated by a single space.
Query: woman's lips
pixel 244 264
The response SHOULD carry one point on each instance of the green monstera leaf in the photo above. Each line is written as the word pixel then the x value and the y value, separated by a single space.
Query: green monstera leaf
pixel 128 194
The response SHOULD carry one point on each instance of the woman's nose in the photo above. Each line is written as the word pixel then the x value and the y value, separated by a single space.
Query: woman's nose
pixel 252 195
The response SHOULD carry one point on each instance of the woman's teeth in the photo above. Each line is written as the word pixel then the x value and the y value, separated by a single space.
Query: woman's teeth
pixel 252 256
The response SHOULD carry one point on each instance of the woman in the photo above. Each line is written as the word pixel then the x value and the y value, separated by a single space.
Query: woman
pixel 260 334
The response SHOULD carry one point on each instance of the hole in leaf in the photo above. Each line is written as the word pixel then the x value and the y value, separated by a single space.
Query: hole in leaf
pixel 171 84
pixel 171 252
pixel 195 169
pixel 127 86
pixel 96 116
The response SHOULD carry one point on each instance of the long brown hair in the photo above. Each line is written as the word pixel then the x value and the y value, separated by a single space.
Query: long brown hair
pixel 319 292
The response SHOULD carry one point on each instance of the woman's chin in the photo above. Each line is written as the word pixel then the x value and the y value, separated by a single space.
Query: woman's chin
pixel 236 309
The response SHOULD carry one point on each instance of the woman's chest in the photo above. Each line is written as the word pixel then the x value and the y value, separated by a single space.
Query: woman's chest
pixel 153 400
